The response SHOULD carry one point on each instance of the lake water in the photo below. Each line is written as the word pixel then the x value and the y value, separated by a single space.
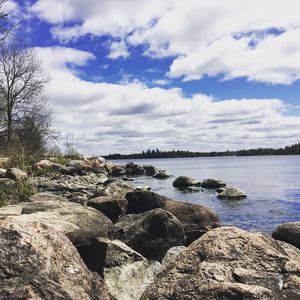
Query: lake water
pixel 272 184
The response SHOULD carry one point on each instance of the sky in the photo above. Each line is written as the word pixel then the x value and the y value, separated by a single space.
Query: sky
pixel 199 75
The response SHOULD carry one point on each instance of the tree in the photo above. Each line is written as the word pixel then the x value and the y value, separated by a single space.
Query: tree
pixel 22 80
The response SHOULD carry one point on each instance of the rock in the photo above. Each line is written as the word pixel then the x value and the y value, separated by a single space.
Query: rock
pixel 171 255
pixel 99 170
pixel 2 173
pixel 36 263
pixel 230 263
pixel 289 233
pixel 125 272
pixel 232 193
pixel 79 165
pixel 11 210
pixel 16 174
pixel 68 171
pixel 151 233
pixel 195 219
pixel 47 165
pixel 220 189
pixel 117 188
pixel 184 182
pixel 212 183
pixel 80 224
pixel 112 207
pixel 142 201
pixel 43 197
pixel 161 174
pixel 78 197
pixel 118 171
pixel 150 170
pixel 138 170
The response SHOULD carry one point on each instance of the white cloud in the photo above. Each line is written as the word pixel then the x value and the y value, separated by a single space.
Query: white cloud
pixel 118 49
pixel 161 81
pixel 199 33
pixel 103 117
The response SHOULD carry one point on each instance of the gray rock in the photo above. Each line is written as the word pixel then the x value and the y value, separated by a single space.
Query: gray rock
pixel 11 210
pixel 16 174
pixel 118 171
pixel 195 219
pixel 43 197
pixel 185 181
pixel 138 170
pixel 171 255
pixel 289 233
pixel 6 183
pixel 230 263
pixel 111 206
pixel 161 174
pixel 126 272
pixel 151 233
pixel 212 183
pixel 150 170
pixel 232 193
pixel 2 173
pixel 36 263
pixel 80 224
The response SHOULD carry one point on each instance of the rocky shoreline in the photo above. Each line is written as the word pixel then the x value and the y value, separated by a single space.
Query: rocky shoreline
pixel 89 233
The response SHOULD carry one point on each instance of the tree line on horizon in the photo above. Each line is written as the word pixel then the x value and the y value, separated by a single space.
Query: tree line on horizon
pixel 156 153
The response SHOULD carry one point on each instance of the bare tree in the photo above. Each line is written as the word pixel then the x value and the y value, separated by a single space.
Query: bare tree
pixel 22 80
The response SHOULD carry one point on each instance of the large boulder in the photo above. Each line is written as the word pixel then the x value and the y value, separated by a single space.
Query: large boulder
pixel 16 174
pixel 126 272
pixel 79 165
pixel 111 206
pixel 36 263
pixel 117 188
pixel 232 193
pixel 142 201
pixel 44 197
pixel 161 174
pixel 151 233
pixel 230 263
pixel 212 183
pixel 138 170
pixel 47 165
pixel 182 182
pixel 11 210
pixel 288 232
pixel 80 224
pixel 195 219
pixel 150 170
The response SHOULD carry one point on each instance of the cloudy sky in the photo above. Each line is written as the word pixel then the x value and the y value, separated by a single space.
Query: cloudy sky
pixel 202 75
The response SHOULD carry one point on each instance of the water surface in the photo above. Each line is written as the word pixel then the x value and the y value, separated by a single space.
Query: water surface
pixel 272 184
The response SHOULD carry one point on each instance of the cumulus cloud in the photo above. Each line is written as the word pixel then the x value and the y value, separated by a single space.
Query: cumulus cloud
pixel 103 117
pixel 255 39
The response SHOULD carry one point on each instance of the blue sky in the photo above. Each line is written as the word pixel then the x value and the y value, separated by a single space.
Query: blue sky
pixel 200 75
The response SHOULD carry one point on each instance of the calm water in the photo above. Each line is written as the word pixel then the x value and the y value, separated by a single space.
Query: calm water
pixel 272 184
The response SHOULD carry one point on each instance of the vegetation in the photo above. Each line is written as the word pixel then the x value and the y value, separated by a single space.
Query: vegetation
pixel 288 150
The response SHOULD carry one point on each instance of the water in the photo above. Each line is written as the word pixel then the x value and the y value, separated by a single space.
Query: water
pixel 272 184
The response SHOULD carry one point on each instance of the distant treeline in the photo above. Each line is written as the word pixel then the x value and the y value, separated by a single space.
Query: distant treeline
pixel 156 153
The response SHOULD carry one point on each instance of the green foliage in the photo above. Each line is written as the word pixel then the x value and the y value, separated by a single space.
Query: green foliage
pixel 24 190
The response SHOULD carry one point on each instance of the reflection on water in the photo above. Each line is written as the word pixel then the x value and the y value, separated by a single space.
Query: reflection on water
pixel 272 184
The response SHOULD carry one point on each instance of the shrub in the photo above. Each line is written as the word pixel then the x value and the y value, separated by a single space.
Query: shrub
pixel 24 190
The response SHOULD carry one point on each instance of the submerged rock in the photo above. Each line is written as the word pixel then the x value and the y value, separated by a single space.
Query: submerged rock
pixel 161 174
pixel 151 233
pixel 36 263
pixel 288 232
pixel 232 193
pixel 230 263
pixel 212 183
pixel 185 181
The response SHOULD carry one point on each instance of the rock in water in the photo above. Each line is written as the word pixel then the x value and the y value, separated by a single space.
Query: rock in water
pixel 232 193
pixel 184 182
pixel 230 263
pixel 36 263
pixel 212 183
pixel 289 233
pixel 151 233
pixel 195 219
